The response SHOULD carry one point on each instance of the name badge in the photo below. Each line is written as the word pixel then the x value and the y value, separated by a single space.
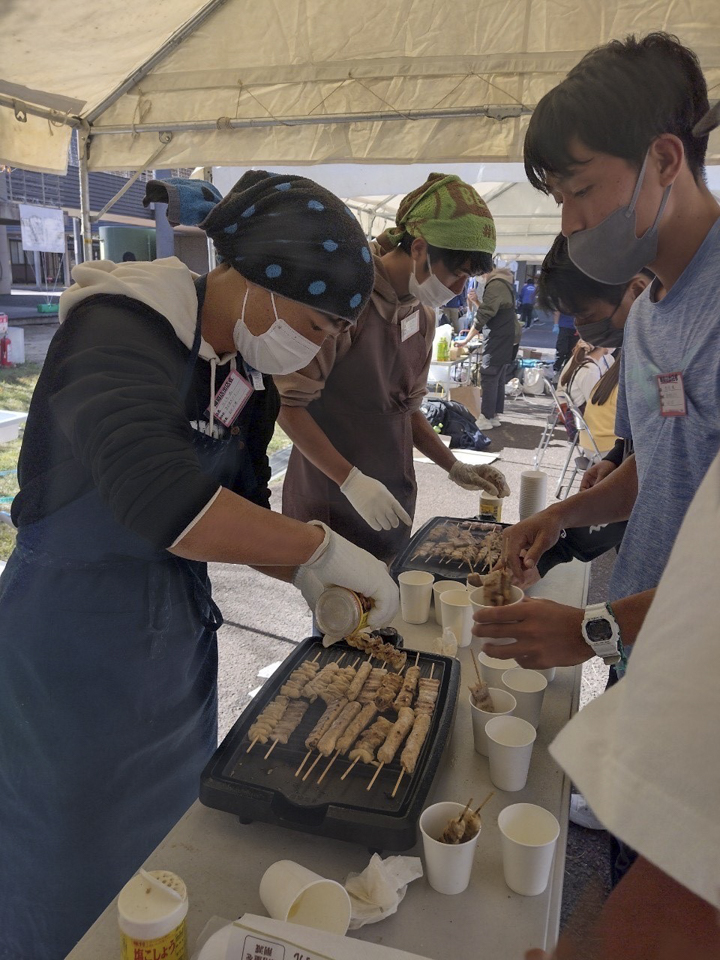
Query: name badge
pixel 672 395
pixel 410 325
pixel 231 398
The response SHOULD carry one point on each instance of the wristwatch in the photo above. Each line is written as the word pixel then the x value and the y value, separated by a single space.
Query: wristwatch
pixel 601 632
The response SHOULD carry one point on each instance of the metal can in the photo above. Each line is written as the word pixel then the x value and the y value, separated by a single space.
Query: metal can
pixel 340 612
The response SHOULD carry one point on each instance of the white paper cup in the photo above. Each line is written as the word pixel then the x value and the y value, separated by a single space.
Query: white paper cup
pixel 533 492
pixel 493 668
pixel 504 703
pixel 528 836
pixel 528 687
pixel 416 589
pixel 448 865
pixel 510 745
pixel 457 614
pixel 548 673
pixel 440 587
pixel 292 893
pixel 476 600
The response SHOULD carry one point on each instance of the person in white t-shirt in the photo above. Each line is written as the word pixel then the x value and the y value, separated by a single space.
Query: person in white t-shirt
pixel 583 371
pixel 658 789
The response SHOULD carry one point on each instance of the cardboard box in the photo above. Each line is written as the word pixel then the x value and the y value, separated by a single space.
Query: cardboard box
pixel 469 396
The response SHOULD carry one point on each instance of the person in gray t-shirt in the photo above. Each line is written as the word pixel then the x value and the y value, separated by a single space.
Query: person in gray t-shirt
pixel 621 144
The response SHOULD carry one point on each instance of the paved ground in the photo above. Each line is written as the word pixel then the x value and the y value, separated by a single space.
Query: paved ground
pixel 265 618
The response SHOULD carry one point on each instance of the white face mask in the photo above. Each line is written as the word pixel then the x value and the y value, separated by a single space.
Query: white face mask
pixel 279 350
pixel 431 292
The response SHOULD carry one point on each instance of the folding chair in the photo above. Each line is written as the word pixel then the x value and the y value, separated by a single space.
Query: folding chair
pixel 582 462
pixel 552 421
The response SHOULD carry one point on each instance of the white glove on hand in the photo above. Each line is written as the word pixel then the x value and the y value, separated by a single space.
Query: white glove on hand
pixel 339 563
pixel 373 501
pixel 479 477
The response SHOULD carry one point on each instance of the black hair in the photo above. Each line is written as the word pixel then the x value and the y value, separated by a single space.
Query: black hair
pixel 617 100
pixel 564 287
pixel 479 262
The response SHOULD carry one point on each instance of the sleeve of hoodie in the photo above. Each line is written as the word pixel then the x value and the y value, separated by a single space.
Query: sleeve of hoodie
pixel 495 296
pixel 116 397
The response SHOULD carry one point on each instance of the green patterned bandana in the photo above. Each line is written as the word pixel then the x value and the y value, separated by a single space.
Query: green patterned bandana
pixel 447 213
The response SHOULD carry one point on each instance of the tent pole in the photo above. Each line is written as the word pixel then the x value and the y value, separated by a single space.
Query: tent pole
pixel 85 222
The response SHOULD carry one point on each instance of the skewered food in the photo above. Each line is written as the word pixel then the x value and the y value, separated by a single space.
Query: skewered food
pixel 389 689
pixel 363 673
pixel 454 832
pixel 462 543
pixel 466 826
pixel 407 692
pixel 365 717
pixel 497 587
pixel 268 719
pixel 339 685
pixel 372 685
pixel 369 741
pixel 427 695
pixel 332 711
pixel 481 697
pixel 298 680
pixel 290 721
pixel 374 645
pixel 397 734
pixel 418 734
pixel 315 687
pixel 327 742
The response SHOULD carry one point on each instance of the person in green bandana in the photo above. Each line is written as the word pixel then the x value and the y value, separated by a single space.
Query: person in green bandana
pixel 353 413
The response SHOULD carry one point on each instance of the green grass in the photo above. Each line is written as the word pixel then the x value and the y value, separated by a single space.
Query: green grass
pixel 16 387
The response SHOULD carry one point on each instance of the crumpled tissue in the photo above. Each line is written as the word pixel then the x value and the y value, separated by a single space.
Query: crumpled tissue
pixel 377 892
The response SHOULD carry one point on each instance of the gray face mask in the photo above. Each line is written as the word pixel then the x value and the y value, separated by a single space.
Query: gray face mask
pixel 602 333
pixel 611 252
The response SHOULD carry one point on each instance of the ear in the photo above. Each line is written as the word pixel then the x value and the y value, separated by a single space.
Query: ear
pixel 668 154
pixel 418 250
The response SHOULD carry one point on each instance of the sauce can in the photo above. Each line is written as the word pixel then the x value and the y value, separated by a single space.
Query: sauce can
pixel 152 908
pixel 340 612
pixel 490 507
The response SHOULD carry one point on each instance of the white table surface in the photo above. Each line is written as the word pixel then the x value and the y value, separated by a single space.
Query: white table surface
pixel 222 861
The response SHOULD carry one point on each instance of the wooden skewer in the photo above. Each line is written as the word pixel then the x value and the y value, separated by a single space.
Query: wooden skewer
pixel 311 768
pixel 252 744
pixel 477 670
pixel 488 797
pixel 299 769
pixel 417 657
pixel 317 656
pixel 322 775
pixel 375 777
pixel 274 744
pixel 395 788
pixel 350 768
pixel 467 807
pixel 432 671
pixel 341 659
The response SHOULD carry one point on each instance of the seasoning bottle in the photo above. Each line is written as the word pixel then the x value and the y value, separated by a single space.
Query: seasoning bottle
pixel 490 507
pixel 340 612
pixel 152 908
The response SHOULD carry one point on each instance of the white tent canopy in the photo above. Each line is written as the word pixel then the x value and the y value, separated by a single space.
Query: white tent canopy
pixel 179 83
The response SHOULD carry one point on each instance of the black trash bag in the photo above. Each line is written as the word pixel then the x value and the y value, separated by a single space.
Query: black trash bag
pixel 455 420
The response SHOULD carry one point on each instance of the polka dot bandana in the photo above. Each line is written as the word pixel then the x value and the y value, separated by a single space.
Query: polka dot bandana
pixel 284 233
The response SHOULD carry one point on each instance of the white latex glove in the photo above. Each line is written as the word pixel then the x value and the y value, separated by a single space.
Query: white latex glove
pixel 481 476
pixel 339 563
pixel 373 501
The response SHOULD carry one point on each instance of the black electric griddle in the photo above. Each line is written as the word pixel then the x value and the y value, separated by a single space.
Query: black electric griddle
pixel 452 569
pixel 252 788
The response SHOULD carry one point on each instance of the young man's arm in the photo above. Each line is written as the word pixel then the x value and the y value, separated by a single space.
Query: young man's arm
pixel 429 443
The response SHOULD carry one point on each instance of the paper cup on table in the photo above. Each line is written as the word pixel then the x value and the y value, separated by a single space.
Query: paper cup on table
pixel 440 587
pixel 457 614
pixel 533 492
pixel 528 687
pixel 510 745
pixel 415 595
pixel 493 668
pixel 528 836
pixel 476 600
pixel 504 704
pixel 292 893
pixel 548 673
pixel 448 865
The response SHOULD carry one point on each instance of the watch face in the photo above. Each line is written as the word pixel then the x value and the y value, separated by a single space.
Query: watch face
pixel 598 630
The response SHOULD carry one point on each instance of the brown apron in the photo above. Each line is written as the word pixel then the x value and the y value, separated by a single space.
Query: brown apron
pixel 364 412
